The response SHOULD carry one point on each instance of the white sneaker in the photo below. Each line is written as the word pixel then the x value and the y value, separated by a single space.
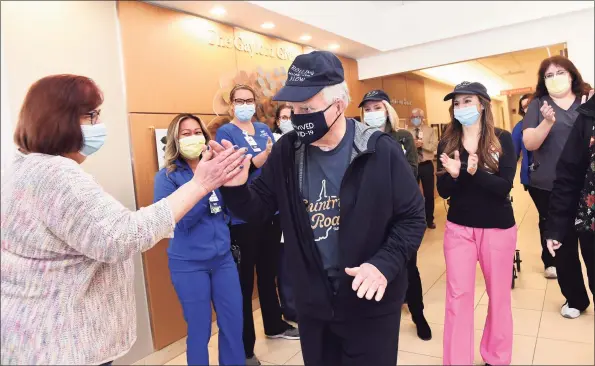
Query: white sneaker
pixel 550 273
pixel 569 313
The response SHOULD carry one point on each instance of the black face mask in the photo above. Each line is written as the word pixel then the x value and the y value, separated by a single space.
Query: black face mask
pixel 311 127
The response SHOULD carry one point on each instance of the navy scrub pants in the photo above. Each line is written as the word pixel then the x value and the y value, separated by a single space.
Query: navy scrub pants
pixel 198 283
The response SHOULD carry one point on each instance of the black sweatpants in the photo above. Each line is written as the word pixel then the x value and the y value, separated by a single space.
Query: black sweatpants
pixel 568 265
pixel 259 246
pixel 369 341
pixel 541 199
pixel 415 296
pixel 425 174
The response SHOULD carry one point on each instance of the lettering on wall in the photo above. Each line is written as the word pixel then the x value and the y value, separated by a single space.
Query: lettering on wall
pixel 252 46
pixel 401 102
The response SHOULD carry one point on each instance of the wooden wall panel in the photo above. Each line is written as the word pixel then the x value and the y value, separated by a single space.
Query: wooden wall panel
pixel 354 85
pixel 396 87
pixel 170 65
pixel 369 85
pixel 415 94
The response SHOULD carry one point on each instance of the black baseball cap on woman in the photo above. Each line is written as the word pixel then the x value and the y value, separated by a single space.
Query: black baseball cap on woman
pixel 466 87
pixel 375 95
pixel 309 74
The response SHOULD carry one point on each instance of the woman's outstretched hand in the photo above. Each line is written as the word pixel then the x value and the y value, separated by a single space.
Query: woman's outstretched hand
pixel 220 163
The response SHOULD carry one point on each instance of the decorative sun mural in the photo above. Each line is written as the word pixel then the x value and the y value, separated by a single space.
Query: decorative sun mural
pixel 265 83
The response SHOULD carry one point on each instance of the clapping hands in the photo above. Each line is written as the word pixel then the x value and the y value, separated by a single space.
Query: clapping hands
pixel 452 166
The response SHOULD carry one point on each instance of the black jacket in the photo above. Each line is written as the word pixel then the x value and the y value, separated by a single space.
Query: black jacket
pixel 405 139
pixel 382 222
pixel 570 174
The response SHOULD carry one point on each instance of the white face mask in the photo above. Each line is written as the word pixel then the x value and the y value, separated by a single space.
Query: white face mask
pixel 285 126
pixel 375 119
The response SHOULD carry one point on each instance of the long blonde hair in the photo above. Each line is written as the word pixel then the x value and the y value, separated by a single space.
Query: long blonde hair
pixel 392 115
pixel 172 145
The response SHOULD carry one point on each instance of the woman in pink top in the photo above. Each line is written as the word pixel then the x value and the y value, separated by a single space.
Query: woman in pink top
pixel 67 245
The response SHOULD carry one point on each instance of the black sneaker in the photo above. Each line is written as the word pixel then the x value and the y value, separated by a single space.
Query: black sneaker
pixel 291 334
pixel 423 328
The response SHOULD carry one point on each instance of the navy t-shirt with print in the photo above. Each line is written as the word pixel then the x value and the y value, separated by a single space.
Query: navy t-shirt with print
pixel 255 144
pixel 324 171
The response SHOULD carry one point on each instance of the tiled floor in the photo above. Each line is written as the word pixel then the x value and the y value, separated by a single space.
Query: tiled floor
pixel 541 335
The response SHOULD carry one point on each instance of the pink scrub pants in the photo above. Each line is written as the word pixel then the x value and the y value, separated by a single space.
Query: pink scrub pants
pixel 494 248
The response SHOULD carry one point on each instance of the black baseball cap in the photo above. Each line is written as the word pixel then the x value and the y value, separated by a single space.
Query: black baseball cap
pixel 375 95
pixel 309 74
pixel 467 87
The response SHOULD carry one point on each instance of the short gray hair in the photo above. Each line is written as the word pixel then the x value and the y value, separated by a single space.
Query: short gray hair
pixel 420 111
pixel 336 92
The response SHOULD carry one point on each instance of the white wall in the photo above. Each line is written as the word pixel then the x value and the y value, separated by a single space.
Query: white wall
pixel 392 25
pixel 436 107
pixel 576 29
pixel 77 37
pixel 7 126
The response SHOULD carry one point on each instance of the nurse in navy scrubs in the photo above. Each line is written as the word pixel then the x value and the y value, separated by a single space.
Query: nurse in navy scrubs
pixel 258 243
pixel 200 261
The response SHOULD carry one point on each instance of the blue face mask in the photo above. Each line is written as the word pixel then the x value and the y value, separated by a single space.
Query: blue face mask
pixel 416 121
pixel 245 112
pixel 94 138
pixel 375 119
pixel 467 116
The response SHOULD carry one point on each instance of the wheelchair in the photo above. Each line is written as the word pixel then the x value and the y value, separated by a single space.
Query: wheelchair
pixel 516 266
pixel 516 260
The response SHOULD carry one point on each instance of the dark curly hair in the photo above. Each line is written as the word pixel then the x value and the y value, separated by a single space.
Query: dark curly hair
pixel 579 87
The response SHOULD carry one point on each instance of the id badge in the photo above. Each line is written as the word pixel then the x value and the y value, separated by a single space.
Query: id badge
pixel 250 140
pixel 421 135
pixel 214 204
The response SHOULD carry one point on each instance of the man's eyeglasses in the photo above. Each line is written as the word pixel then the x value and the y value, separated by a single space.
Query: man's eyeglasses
pixel 93 116
pixel 550 75
pixel 243 101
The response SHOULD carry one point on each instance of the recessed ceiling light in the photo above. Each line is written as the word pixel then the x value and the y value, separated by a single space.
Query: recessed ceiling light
pixel 333 46
pixel 268 25
pixel 306 37
pixel 218 11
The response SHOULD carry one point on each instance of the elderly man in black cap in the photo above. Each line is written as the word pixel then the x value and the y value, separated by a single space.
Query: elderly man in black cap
pixel 352 215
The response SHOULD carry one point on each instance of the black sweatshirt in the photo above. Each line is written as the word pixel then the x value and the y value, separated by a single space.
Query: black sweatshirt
pixel 382 222
pixel 481 200
pixel 570 174
pixel 405 139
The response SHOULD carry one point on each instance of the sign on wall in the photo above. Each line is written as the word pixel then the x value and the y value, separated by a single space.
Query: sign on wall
pixel 160 139
pixel 252 46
